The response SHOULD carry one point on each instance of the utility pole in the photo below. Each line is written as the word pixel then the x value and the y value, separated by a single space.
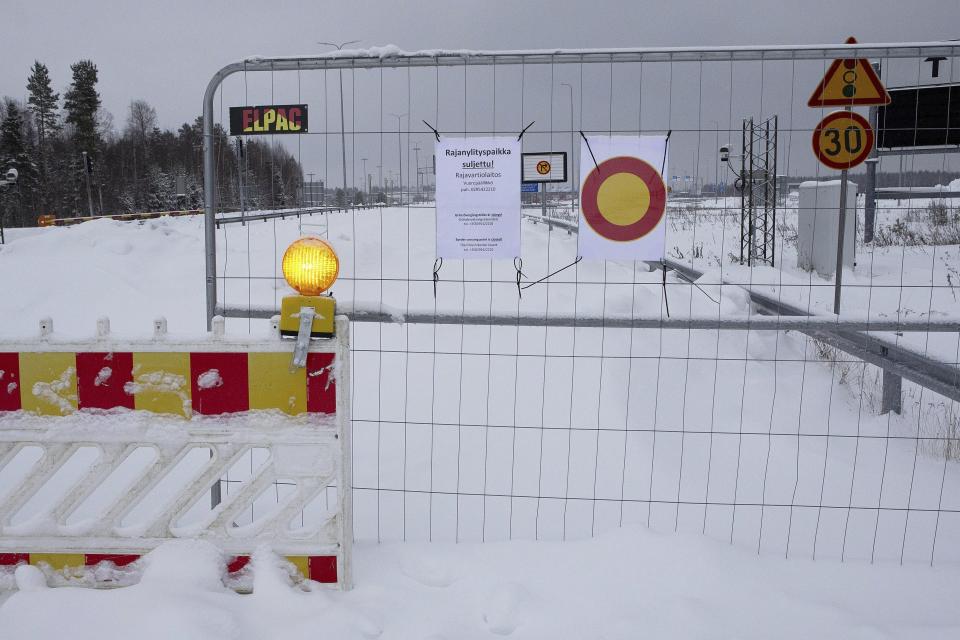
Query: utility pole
pixel 573 147
pixel 416 155
pixel 87 170
pixel 366 185
pixel 343 132
pixel 400 155
pixel 716 145
pixel 311 192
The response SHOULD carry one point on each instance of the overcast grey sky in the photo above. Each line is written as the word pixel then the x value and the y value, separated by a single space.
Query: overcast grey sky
pixel 165 52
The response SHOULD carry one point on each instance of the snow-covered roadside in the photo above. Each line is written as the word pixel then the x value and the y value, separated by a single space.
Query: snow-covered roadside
pixel 630 583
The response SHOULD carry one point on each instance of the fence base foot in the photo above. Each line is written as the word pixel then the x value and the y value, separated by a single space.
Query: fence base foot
pixel 892 393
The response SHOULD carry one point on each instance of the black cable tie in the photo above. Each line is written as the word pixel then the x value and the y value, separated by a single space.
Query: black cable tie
pixel 435 132
pixel 437 264
pixel 525 130
pixel 666 301
pixel 550 275
pixel 666 142
pixel 518 265
pixel 590 149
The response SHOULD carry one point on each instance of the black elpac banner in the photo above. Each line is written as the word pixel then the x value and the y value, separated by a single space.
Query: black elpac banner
pixel 268 119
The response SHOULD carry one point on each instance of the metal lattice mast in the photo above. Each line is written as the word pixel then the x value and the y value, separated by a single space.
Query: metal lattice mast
pixel 758 194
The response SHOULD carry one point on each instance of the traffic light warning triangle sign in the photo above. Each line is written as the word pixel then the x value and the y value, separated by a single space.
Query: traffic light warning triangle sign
pixel 849 83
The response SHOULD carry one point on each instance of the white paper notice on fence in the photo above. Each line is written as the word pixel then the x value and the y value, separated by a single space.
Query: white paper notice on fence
pixel 623 198
pixel 478 198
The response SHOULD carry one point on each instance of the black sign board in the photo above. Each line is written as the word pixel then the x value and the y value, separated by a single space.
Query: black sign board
pixel 920 117
pixel 268 119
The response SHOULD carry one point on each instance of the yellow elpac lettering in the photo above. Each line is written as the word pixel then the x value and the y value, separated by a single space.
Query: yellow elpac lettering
pixel 294 117
pixel 269 118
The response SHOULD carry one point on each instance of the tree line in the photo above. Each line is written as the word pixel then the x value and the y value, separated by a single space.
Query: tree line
pixel 71 158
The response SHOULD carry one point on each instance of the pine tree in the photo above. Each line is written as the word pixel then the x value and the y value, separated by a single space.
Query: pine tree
pixel 43 104
pixel 81 102
pixel 15 153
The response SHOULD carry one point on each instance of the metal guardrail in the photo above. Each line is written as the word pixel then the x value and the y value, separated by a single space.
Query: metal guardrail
pixel 145 215
pixel 232 219
pixel 894 360
pixel 289 213
pixel 887 193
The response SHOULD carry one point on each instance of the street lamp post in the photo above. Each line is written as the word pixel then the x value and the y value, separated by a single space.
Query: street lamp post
pixel 716 162
pixel 366 183
pixel 343 132
pixel 400 155
pixel 573 146
pixel 416 155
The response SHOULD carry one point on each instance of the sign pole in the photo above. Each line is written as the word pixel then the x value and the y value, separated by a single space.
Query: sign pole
pixel 841 232
pixel 840 241
pixel 543 200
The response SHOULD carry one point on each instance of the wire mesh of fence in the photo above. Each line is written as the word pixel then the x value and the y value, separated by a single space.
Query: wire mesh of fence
pixel 519 412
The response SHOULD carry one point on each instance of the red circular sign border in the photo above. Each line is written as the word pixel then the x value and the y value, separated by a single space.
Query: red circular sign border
pixel 655 210
pixel 836 115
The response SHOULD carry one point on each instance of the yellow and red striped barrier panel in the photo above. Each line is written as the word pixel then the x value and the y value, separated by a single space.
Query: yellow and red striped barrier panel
pixel 205 383
pixel 217 375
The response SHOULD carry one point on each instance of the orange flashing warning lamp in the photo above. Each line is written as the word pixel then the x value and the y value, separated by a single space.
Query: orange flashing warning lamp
pixel 310 266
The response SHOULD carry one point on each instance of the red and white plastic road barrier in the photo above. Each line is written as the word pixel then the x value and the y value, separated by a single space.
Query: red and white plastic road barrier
pixel 232 396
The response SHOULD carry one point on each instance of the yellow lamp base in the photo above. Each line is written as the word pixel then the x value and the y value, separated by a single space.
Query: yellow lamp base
pixel 323 325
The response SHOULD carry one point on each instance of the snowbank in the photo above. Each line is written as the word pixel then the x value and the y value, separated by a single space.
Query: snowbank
pixel 627 584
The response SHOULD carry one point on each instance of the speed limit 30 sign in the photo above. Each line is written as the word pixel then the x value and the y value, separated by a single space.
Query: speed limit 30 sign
pixel 843 140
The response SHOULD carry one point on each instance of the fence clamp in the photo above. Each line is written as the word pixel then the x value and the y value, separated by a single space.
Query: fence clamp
pixel 303 337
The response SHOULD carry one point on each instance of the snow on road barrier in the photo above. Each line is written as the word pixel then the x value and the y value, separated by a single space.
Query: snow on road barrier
pixel 110 447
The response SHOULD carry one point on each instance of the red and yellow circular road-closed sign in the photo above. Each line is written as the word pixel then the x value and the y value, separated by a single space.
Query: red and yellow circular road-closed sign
pixel 623 199
pixel 842 140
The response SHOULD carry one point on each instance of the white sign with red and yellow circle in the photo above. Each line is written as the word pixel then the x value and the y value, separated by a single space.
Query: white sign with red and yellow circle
pixel 623 198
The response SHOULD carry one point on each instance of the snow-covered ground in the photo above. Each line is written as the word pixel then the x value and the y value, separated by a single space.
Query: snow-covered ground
pixel 477 433
pixel 631 583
